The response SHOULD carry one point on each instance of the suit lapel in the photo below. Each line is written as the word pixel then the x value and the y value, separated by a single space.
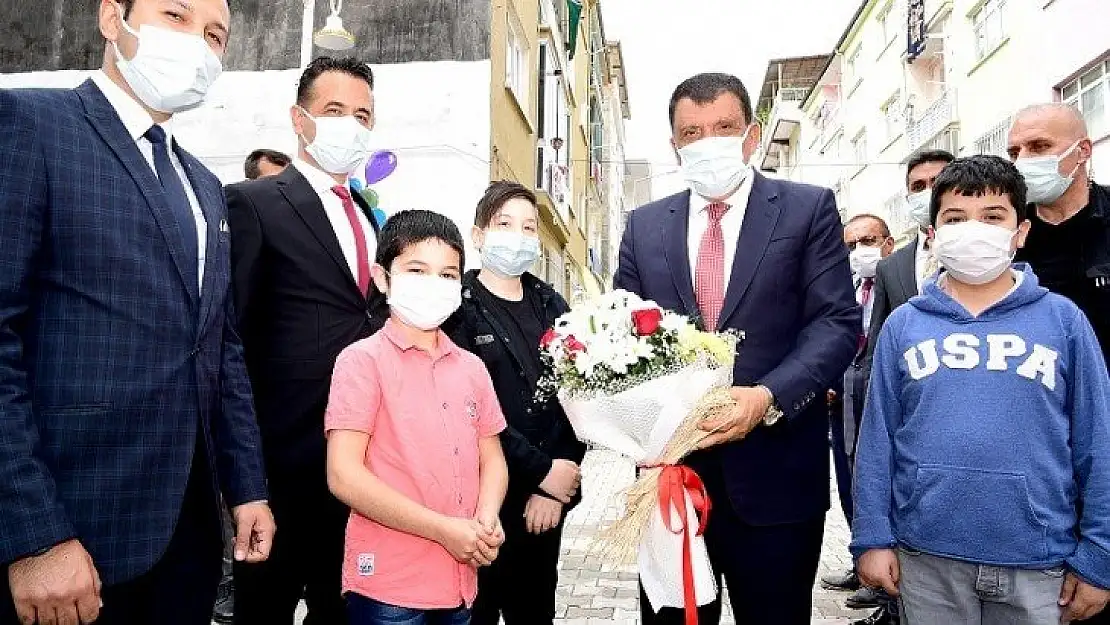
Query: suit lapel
pixel 210 197
pixel 755 233
pixel 676 249
pixel 302 197
pixel 907 271
pixel 107 123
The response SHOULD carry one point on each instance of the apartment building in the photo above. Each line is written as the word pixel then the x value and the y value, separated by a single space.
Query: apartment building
pixel 908 75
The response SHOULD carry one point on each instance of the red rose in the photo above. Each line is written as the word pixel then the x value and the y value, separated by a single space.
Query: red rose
pixel 646 321
pixel 547 338
pixel 574 345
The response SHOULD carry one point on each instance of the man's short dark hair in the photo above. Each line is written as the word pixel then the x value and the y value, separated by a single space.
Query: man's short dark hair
pixel 885 229
pixel 324 64
pixel 127 5
pixel 928 156
pixel 410 227
pixel 251 167
pixel 497 194
pixel 979 175
pixel 705 88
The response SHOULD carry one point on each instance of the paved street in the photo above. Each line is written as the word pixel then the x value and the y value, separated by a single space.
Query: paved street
pixel 590 594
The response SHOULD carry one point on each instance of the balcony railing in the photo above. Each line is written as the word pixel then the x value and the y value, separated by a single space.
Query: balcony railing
pixel 792 94
pixel 935 118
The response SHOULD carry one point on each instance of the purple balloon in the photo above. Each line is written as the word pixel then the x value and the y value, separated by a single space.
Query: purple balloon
pixel 379 167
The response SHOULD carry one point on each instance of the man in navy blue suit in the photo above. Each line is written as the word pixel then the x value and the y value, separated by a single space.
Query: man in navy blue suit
pixel 125 406
pixel 767 257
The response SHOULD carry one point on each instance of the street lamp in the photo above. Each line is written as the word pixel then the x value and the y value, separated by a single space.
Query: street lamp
pixel 333 36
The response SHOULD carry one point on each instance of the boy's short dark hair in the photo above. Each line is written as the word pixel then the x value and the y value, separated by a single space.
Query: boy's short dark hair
pixel 979 175
pixel 497 194
pixel 250 167
pixel 410 227
pixel 324 64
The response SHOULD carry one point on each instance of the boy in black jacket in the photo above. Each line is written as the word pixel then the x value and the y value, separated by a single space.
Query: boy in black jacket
pixel 505 310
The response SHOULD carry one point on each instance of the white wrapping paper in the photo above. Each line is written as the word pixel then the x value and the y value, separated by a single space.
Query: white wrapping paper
pixel 638 423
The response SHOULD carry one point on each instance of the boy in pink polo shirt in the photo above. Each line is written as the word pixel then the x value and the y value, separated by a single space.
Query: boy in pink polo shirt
pixel 413 448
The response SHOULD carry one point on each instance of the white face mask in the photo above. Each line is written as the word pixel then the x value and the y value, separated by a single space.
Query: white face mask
pixel 341 144
pixel 864 260
pixel 171 71
pixel 509 254
pixel 973 252
pixel 1043 180
pixel 918 205
pixel 714 166
pixel 423 301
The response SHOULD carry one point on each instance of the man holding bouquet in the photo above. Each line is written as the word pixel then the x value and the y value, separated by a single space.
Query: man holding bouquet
pixel 765 257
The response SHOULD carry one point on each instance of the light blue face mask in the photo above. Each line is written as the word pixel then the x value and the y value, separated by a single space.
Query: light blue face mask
pixel 509 254
pixel 1043 180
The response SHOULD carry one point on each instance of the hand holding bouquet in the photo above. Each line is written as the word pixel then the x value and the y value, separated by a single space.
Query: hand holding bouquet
pixel 639 380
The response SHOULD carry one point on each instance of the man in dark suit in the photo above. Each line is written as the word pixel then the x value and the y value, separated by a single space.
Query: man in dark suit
pixel 766 257
pixel 868 239
pixel 124 402
pixel 259 164
pixel 303 243
pixel 897 278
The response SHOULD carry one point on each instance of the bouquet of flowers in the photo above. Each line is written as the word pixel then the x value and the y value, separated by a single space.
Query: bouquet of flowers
pixel 638 380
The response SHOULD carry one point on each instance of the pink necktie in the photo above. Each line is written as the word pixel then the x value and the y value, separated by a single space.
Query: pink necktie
pixel 709 274
pixel 864 300
pixel 362 258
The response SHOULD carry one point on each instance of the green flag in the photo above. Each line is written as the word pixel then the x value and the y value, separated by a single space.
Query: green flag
pixel 575 13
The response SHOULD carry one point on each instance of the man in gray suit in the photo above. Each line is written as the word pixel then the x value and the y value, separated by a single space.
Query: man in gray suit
pixel 897 278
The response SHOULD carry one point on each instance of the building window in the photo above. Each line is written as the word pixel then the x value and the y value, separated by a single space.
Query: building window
pixel 859 150
pixel 851 68
pixel 888 26
pixel 1089 93
pixel 988 27
pixel 516 63
pixel 995 140
pixel 892 117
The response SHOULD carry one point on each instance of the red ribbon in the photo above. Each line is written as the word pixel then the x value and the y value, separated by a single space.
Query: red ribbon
pixel 675 482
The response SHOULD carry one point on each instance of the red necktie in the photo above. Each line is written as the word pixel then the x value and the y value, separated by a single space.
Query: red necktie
pixel 361 255
pixel 864 300
pixel 709 274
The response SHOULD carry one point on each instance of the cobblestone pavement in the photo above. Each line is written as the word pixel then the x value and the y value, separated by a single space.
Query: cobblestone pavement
pixel 589 593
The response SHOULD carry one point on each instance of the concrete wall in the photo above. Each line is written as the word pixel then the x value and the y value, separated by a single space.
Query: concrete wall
pixel 403 31
pixel 40 35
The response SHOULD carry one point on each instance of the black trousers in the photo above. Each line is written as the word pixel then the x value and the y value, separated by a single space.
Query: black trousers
pixel 520 585
pixel 306 559
pixel 180 588
pixel 842 459
pixel 769 570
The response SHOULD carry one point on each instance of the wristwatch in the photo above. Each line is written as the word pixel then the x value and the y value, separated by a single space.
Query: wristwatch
pixel 774 413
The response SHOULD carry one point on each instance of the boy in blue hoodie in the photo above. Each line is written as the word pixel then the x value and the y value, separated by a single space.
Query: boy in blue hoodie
pixel 983 467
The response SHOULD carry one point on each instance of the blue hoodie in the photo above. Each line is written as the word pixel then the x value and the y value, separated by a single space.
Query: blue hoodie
pixel 984 437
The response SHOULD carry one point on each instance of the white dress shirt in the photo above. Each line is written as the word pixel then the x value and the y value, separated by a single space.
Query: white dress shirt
pixel 137 121
pixel 920 258
pixel 731 222
pixel 868 306
pixel 323 183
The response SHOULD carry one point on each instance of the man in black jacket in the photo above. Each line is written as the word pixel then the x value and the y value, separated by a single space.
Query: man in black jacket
pixel 1068 245
pixel 302 244
pixel 504 313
